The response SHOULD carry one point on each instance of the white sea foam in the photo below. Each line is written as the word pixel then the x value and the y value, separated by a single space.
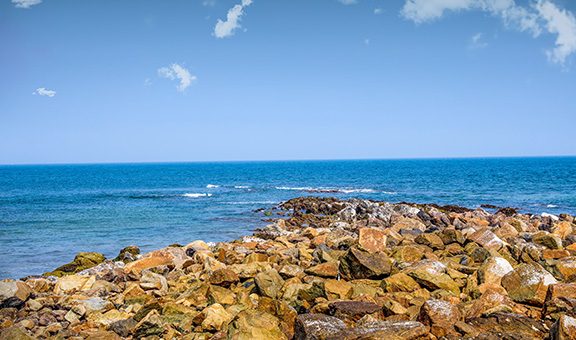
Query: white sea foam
pixel 551 206
pixel 329 190
pixel 212 186
pixel 241 187
pixel 252 202
pixel 196 195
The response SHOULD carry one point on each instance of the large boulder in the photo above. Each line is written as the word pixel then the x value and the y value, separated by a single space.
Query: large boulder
pixel 440 316
pixel 389 330
pixel 269 283
pixel 254 324
pixel 528 283
pixel 372 239
pixel 358 264
pixel 13 293
pixel 82 261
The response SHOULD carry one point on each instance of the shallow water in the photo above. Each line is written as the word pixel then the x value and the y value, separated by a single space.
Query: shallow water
pixel 50 212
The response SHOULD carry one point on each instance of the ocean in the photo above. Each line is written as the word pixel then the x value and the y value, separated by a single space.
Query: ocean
pixel 48 213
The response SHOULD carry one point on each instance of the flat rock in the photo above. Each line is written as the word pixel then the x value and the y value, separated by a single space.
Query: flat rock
pixel 316 326
pixel 358 264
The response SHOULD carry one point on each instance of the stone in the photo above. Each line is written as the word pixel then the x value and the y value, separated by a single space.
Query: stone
pixel 486 239
pixel 550 241
pixel 431 275
pixel 153 259
pixel 128 254
pixel 372 240
pixel 253 324
pixel 562 229
pixel 291 270
pixel 14 333
pixel 440 316
pixel 269 283
pixel 564 328
pixel 528 283
pixel 565 268
pixel 13 293
pixel 82 261
pixel 358 264
pixel 123 327
pixel 493 269
pixel 327 269
pixel 509 326
pixel 389 330
pixel 352 311
pixel 216 318
pixel 155 282
pixel 400 282
pixel 317 326
pixel 224 277
pixel 337 289
pixel 431 240
pixel 221 295
pixel 72 283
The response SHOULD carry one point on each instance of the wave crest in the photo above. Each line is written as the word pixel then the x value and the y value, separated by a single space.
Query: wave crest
pixel 196 195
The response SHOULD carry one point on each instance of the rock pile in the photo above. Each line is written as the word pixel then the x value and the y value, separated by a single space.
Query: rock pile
pixel 330 269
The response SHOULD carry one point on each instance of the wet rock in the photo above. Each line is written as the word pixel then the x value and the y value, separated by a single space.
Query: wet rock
pixel 317 326
pixel 528 283
pixel 358 264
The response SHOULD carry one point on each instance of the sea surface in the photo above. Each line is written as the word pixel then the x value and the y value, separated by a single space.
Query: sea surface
pixel 48 213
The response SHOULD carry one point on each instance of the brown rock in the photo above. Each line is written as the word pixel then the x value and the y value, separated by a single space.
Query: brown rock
pixel 316 326
pixel 223 277
pixel 400 282
pixel 431 240
pixel 358 264
pixel 215 318
pixel 269 283
pixel 493 269
pixel 564 328
pixel 550 241
pixel 372 240
pixel 352 311
pixel 251 324
pixel 486 239
pixel 528 283
pixel 509 326
pixel 337 289
pixel 327 269
pixel 440 316
pixel 389 330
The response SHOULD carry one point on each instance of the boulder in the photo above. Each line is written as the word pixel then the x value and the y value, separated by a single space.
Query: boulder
pixel 269 283
pixel 82 261
pixel 216 318
pixel 493 269
pixel 390 330
pixel 316 326
pixel 13 293
pixel 327 269
pixel 372 240
pixel 432 275
pixel 486 239
pixel 254 324
pixel 352 311
pixel 223 277
pixel 564 328
pixel 358 264
pixel 440 316
pixel 528 283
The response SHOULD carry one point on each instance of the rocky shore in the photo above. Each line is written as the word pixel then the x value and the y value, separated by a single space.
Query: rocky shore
pixel 324 269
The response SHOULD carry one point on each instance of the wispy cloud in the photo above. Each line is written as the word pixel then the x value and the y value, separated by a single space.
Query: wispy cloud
pixel 209 3
pixel 226 28
pixel 348 2
pixel 563 24
pixel 477 41
pixel 177 72
pixel 25 3
pixel 42 91
pixel 378 11
pixel 539 16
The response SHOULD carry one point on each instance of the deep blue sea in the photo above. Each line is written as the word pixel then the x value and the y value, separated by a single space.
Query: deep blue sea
pixel 48 213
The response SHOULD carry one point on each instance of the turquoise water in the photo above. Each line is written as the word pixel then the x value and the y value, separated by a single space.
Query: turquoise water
pixel 50 212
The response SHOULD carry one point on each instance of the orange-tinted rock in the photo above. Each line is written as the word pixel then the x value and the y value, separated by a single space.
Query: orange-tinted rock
pixel 440 316
pixel 372 240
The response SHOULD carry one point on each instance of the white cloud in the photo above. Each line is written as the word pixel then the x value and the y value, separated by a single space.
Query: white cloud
pixel 562 23
pixel 209 3
pixel 42 91
pixel 366 41
pixel 177 72
pixel 25 3
pixel 378 11
pixel 226 28
pixel 540 16
pixel 348 2
pixel 477 41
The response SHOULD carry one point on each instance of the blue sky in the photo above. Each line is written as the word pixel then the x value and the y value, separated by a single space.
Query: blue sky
pixel 194 80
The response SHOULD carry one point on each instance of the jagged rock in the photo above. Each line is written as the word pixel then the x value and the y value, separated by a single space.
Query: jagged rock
pixel 358 264
pixel 13 293
pixel 317 326
pixel 400 282
pixel 393 330
pixel 14 333
pixel 81 262
pixel 216 318
pixel 440 316
pixel 352 311
pixel 431 240
pixel 153 281
pixel 564 328
pixel 337 289
pixel 486 239
pixel 550 241
pixel 327 269
pixel 223 277
pixel 372 240
pixel 269 283
pixel 528 283
pixel 432 275
pixel 493 269
pixel 509 326
pixel 128 254
pixel 252 324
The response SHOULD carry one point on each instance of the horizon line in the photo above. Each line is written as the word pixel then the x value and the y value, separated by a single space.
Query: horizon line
pixel 286 160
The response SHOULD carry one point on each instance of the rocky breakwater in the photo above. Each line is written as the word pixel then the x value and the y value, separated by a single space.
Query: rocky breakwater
pixel 328 269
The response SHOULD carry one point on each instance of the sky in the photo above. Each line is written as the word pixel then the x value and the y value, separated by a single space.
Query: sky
pixel 217 80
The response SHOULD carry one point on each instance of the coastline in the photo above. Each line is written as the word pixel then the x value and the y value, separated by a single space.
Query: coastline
pixel 324 268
